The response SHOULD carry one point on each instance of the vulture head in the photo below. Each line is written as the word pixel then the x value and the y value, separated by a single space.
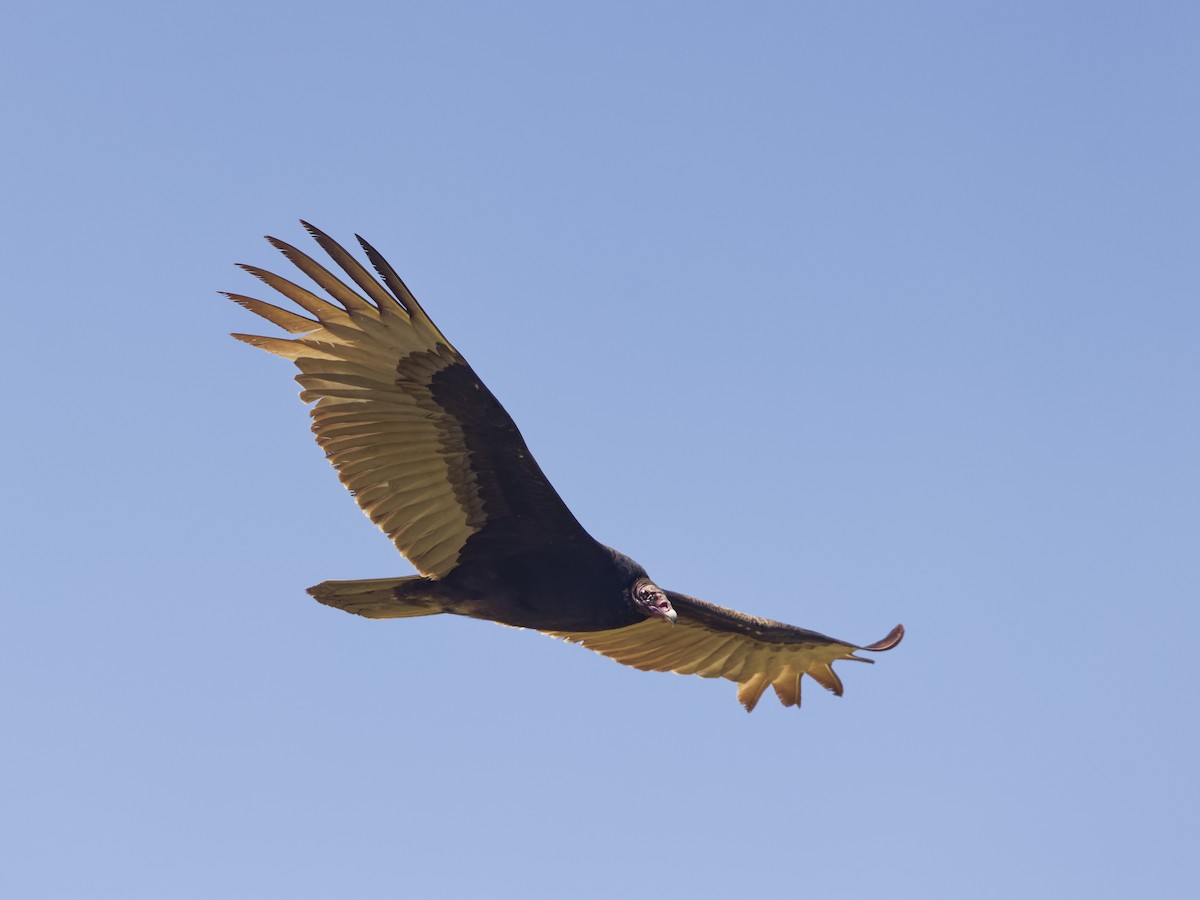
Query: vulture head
pixel 650 601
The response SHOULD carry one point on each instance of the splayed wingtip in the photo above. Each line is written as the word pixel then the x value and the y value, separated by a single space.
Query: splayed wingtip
pixel 894 637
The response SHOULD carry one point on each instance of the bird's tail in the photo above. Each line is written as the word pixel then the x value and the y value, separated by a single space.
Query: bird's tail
pixel 381 598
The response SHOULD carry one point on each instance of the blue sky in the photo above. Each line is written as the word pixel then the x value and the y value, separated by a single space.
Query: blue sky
pixel 843 314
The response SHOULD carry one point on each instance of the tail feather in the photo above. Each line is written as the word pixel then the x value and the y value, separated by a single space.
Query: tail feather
pixel 380 598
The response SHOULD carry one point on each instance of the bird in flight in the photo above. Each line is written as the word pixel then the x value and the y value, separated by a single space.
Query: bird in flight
pixel 435 461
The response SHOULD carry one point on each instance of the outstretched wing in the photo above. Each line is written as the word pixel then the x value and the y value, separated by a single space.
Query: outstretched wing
pixel 425 448
pixel 714 642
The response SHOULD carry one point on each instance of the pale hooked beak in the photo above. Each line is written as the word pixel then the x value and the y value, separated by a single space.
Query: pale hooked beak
pixel 662 609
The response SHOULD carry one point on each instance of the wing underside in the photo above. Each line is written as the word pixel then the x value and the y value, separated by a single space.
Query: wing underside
pixel 714 642
pixel 425 448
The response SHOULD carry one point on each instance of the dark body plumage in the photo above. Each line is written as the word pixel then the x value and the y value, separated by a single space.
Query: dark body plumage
pixel 581 586
pixel 439 465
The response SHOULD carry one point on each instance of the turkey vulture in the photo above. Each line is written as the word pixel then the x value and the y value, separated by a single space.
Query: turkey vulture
pixel 435 461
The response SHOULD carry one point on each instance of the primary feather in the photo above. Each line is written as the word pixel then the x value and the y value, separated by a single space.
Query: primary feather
pixel 435 461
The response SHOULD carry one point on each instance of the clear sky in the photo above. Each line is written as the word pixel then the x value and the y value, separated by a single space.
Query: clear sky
pixel 845 314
